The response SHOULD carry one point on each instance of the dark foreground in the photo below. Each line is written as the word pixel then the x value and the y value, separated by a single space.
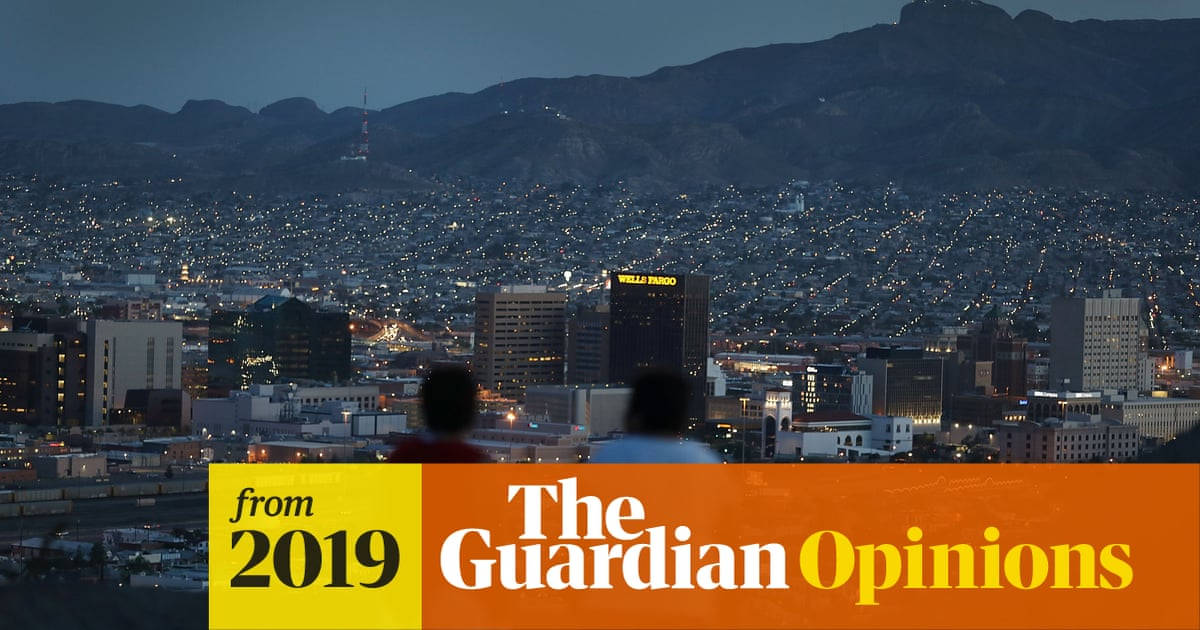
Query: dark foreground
pixel 100 607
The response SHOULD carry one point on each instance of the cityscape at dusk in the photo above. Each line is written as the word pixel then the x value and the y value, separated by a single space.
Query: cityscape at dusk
pixel 966 235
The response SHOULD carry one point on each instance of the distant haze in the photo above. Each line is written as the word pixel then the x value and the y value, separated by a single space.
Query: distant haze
pixel 253 53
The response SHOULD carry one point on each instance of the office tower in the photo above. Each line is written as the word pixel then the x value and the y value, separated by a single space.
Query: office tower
pixel 945 342
pixel 43 371
pixel 956 378
pixel 587 346
pixel 984 373
pixel 660 322
pixel 129 355
pixel 520 338
pixel 907 383
pixel 992 358
pixel 829 387
pixel 276 339
pixel 1098 343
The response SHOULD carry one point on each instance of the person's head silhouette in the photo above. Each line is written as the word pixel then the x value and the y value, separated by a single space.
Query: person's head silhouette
pixel 658 405
pixel 448 401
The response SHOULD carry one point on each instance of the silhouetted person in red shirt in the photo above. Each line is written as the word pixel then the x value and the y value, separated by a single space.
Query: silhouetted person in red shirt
pixel 448 403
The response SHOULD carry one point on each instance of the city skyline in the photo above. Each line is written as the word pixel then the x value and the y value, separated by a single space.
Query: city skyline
pixel 769 235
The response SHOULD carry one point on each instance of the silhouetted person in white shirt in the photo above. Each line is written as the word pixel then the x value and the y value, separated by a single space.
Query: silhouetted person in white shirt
pixel 654 423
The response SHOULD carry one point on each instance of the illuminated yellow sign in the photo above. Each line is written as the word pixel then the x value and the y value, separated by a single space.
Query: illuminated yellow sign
pixel 630 278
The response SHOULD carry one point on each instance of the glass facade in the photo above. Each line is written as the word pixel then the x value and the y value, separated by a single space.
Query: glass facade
pixel 276 340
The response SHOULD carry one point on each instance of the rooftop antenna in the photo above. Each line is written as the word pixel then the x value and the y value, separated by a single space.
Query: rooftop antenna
pixel 364 147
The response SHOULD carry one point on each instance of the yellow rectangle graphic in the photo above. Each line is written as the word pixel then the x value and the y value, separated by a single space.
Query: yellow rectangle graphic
pixel 314 546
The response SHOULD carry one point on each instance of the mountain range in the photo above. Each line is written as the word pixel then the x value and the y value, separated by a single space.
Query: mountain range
pixel 956 93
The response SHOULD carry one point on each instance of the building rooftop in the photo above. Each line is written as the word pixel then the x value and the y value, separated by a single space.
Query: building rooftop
pixel 299 444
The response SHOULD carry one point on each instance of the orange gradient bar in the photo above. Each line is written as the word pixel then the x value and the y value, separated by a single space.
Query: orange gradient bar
pixel 814 546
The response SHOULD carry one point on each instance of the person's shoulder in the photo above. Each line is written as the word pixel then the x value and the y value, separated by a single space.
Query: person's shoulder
pixel 700 453
pixel 415 450
pixel 679 451
pixel 464 453
pixel 621 450
pixel 651 449
pixel 405 450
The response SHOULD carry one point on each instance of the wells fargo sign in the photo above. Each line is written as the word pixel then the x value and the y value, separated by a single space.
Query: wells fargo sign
pixel 633 278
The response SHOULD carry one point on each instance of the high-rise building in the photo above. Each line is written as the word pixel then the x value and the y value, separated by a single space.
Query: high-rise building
pixel 129 355
pixel 520 338
pixel 276 339
pixel 956 375
pixel 906 383
pixel 587 346
pixel 993 358
pixel 984 371
pixel 660 322
pixel 829 387
pixel 43 371
pixel 1099 343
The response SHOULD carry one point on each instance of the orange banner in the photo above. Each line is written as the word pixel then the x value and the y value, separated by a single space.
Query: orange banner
pixel 815 546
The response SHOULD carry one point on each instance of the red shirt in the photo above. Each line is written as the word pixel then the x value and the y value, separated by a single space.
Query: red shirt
pixel 428 450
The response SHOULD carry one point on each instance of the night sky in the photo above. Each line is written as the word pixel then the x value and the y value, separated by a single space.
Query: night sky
pixel 254 52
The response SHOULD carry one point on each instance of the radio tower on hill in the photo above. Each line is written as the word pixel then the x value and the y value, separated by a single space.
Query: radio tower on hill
pixel 364 147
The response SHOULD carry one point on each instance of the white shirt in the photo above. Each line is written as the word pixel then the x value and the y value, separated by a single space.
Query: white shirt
pixel 642 449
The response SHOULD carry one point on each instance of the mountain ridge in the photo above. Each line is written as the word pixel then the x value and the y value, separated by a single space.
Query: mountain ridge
pixel 957 93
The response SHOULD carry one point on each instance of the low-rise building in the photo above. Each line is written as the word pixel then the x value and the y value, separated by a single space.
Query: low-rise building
pixel 53 548
pixel 1162 418
pixel 1060 404
pixel 264 409
pixel 296 451
pixel 531 441
pixel 1079 438
pixel 70 465
pixel 844 435
pixel 155 408
pixel 357 422
pixel 175 450
pixel 599 408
